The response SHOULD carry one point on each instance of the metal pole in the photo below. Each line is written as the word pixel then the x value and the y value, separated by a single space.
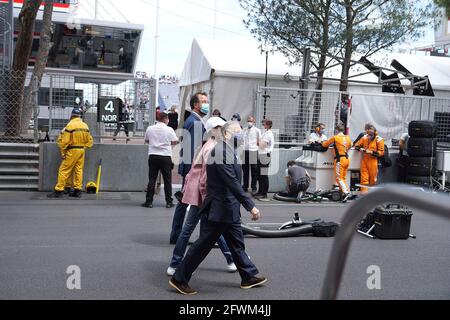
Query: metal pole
pixel 50 107
pixel 35 102
pixel 95 9
pixel 156 76
pixel 11 34
pixel 215 19
pixel 265 85
pixel 437 205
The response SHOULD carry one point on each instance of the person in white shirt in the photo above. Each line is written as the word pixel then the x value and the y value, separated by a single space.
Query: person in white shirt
pixel 403 156
pixel 318 136
pixel 251 135
pixel 266 145
pixel 160 138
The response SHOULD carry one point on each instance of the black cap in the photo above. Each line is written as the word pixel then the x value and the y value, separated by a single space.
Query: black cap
pixel 237 117
pixel 76 112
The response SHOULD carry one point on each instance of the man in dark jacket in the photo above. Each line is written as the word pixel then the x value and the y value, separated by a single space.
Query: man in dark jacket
pixel 193 131
pixel 221 215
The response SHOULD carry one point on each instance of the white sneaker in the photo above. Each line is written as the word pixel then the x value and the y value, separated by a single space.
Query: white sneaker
pixel 171 271
pixel 231 268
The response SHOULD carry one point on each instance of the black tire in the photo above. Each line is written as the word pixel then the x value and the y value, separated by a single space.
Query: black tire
pixel 422 147
pixel 422 129
pixel 420 166
pixel 419 181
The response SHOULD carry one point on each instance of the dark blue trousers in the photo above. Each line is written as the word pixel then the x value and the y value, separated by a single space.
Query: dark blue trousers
pixel 201 248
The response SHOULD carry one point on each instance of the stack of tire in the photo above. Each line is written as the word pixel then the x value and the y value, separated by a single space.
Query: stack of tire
pixel 422 145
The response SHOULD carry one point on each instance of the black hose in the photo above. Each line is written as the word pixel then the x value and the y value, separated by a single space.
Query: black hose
pixel 292 232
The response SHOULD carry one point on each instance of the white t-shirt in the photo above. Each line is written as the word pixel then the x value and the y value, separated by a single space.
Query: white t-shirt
pixel 251 138
pixel 160 138
pixel 314 137
pixel 405 138
pixel 268 137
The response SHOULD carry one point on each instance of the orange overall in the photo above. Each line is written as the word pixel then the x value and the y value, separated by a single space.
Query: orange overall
pixel 373 149
pixel 342 144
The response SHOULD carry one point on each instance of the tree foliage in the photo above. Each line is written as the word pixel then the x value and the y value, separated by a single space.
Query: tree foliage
pixel 337 28
pixel 444 4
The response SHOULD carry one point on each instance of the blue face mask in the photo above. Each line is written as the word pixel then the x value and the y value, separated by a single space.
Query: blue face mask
pixel 205 108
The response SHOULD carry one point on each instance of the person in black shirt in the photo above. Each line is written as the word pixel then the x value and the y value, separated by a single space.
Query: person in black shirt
pixel 173 118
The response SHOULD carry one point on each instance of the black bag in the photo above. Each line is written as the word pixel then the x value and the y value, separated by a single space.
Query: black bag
pixel 385 161
pixel 315 147
pixel 392 221
pixel 325 229
pixel 367 222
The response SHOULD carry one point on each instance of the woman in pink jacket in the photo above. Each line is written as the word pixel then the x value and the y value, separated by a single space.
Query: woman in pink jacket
pixel 194 193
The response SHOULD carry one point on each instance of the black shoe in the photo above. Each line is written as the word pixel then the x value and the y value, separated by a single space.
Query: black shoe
pixel 346 198
pixel 260 196
pixel 75 194
pixel 253 282
pixel 299 197
pixel 170 205
pixel 182 288
pixel 67 190
pixel 55 195
pixel 147 205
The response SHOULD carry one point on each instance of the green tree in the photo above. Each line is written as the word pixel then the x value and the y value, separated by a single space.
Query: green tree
pixel 444 4
pixel 290 26
pixel 336 28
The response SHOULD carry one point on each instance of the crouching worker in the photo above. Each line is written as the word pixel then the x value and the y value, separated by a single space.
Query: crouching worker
pixel 72 142
pixel 297 181
pixel 342 144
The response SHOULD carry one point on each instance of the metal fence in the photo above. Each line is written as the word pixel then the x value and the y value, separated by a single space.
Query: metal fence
pixel 16 117
pixel 45 116
pixel 58 99
pixel 295 112
pixel 6 32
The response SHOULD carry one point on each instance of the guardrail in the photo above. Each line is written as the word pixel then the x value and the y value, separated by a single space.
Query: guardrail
pixel 438 205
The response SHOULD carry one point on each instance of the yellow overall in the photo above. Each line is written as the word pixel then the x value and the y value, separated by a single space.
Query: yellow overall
pixel 72 142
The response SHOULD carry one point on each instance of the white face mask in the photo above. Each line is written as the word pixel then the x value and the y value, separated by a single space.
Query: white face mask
pixel 250 124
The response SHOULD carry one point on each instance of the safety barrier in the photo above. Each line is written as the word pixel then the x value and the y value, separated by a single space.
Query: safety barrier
pixel 434 204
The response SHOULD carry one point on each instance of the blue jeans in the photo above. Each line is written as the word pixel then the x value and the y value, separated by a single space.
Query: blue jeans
pixel 180 248
pixel 177 222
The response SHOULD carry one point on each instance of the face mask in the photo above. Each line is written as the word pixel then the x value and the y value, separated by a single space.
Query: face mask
pixel 250 124
pixel 205 108
pixel 321 132
pixel 371 135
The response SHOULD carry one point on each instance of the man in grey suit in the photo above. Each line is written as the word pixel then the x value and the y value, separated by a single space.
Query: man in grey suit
pixel 221 214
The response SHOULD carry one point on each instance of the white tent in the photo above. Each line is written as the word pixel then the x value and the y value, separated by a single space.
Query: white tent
pixel 230 73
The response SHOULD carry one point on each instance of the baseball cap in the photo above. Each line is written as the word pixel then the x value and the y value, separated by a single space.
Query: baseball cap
pixel 76 112
pixel 214 122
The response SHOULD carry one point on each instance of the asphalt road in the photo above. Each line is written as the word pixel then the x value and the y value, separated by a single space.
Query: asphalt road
pixel 123 251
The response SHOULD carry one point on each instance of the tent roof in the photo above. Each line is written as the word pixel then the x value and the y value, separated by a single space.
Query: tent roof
pixel 231 57
pixel 245 59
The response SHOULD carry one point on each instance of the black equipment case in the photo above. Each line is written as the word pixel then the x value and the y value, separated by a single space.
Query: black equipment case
pixel 392 221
